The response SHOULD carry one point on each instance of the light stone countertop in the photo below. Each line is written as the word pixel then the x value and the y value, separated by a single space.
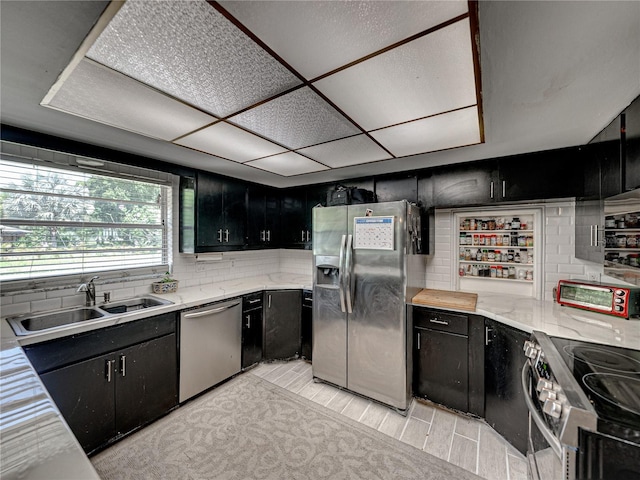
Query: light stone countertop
pixel 36 442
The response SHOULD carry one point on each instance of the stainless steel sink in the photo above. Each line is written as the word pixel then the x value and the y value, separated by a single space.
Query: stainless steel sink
pixel 133 304
pixel 46 321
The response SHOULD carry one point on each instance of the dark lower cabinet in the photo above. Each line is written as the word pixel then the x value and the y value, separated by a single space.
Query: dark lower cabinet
pixel 251 329
pixel 282 309
pixel 109 382
pixel 505 408
pixel 306 325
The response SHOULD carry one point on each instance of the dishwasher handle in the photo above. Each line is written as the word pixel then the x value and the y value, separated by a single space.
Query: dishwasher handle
pixel 209 312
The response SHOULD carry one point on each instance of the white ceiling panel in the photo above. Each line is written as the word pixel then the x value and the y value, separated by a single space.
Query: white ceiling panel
pixel 230 142
pixel 453 129
pixel 95 92
pixel 287 164
pixel 330 34
pixel 298 119
pixel 190 51
pixel 348 151
pixel 430 75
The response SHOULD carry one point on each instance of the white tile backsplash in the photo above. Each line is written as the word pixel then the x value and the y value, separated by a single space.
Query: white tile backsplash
pixel 559 248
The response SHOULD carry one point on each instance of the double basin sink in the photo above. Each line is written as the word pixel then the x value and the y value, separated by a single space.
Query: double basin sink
pixel 29 324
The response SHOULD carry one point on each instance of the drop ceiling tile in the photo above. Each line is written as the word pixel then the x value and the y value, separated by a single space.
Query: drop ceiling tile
pixel 449 130
pixel 298 119
pixel 190 51
pixel 348 151
pixel 429 75
pixel 330 34
pixel 230 142
pixel 287 164
pixel 95 92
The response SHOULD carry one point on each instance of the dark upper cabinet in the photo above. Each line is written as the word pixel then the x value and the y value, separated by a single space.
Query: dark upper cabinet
pixel 221 213
pixel 393 188
pixel 296 207
pixel 549 174
pixel 472 183
pixel 632 145
pixel 263 217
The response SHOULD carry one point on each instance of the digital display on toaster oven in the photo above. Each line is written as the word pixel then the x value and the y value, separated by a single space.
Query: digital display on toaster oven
pixel 602 298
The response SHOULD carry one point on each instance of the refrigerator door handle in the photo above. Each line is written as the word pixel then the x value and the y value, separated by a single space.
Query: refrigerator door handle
pixel 348 267
pixel 341 262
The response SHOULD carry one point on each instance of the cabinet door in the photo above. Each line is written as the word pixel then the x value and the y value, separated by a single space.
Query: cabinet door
pixel 263 217
pixel 209 213
pixel 293 217
pixel 146 382
pixel 552 174
pixel 391 189
pixel 505 408
pixel 306 325
pixel 235 213
pixel 441 371
pixel 282 310
pixel 251 337
pixel 632 147
pixel 589 230
pixel 472 183
pixel 84 394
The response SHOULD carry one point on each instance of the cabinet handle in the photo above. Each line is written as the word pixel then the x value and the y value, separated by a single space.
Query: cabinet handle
pixel 302 235
pixel 308 236
pixel 487 341
pixel 248 321
pixel 255 300
pixel 591 235
pixel 504 188
pixel 491 190
pixel 220 235
pixel 123 365
pixel 418 340
pixel 109 364
pixel 268 235
pixel 441 322
pixel 226 235
pixel 262 235
pixel 269 301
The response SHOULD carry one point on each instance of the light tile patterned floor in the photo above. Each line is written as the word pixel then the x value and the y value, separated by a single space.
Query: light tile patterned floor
pixel 466 442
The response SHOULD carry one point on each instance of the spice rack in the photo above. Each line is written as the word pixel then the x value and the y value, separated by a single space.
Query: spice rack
pixel 622 241
pixel 497 251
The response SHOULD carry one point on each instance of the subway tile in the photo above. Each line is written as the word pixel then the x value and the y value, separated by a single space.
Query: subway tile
pixel 574 269
pixel 49 304
pixel 29 297
pixel 15 309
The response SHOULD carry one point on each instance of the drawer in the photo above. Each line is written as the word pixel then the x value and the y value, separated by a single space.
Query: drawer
pixel 251 301
pixel 441 321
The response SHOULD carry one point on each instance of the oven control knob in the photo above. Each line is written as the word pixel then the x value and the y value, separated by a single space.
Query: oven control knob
pixel 552 408
pixel 531 349
pixel 619 300
pixel 620 293
pixel 546 394
pixel 544 385
pixel 619 308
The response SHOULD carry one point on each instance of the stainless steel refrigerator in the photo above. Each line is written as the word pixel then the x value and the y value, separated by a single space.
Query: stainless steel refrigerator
pixel 366 269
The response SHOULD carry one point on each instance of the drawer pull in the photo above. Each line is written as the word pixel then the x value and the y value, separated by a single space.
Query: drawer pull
pixel 440 322
pixel 255 301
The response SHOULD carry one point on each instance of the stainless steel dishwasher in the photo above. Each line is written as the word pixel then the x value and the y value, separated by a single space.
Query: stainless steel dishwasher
pixel 210 346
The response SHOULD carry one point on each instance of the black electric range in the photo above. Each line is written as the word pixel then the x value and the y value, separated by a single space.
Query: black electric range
pixel 610 378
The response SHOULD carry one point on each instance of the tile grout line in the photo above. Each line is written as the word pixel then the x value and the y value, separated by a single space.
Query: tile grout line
pixel 386 415
pixel 506 460
pixel 365 411
pixel 331 399
pixel 477 472
pixel 455 423
pixel 348 403
pixel 464 436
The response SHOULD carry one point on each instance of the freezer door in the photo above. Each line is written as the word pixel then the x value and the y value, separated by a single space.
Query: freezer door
pixel 329 324
pixel 377 334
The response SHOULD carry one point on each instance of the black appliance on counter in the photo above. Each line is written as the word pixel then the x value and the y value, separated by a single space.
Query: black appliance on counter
pixel 584 409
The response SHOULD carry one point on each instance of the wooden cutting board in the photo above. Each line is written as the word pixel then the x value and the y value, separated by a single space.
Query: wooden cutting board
pixel 447 299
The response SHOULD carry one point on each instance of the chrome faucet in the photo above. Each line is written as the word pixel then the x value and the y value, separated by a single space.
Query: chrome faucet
pixel 90 291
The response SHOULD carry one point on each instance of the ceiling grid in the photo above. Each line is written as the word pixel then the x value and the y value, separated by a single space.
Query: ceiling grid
pixel 286 87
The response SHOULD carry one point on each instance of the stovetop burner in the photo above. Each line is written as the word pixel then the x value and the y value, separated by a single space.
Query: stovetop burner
pixel 622 391
pixel 603 358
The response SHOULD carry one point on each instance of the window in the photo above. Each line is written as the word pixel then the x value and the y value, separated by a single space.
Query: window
pixel 57 221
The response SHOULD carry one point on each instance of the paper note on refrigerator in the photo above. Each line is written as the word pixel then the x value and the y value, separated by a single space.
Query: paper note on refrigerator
pixel 374 233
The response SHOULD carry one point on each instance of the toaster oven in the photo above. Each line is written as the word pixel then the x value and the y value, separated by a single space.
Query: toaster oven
pixel 619 300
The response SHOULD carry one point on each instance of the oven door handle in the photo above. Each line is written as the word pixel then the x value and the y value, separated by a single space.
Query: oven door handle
pixel 554 443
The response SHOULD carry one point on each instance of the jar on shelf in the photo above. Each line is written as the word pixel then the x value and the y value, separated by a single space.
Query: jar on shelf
pixel 510 256
pixel 491 224
pixel 493 240
pixel 620 222
pixel 634 260
pixel 522 274
pixel 472 224
pixel 632 241
pixel 522 241
pixel 485 256
pixel 610 240
pixel 505 272
pixel 621 241
pixel 529 275
pixel 506 239
pixel 493 271
pixel 529 241
pixel 516 257
pixel 609 222
pixel 467 254
pixel 530 257
pixel 478 255
pixel 507 224
pixel 515 223
pixel 523 225
pixel 512 272
pixel 491 256
pixel 499 223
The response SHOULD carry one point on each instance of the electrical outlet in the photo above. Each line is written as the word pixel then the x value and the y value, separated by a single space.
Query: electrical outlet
pixel 233 263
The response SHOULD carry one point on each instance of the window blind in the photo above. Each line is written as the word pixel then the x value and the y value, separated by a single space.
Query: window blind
pixel 56 221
